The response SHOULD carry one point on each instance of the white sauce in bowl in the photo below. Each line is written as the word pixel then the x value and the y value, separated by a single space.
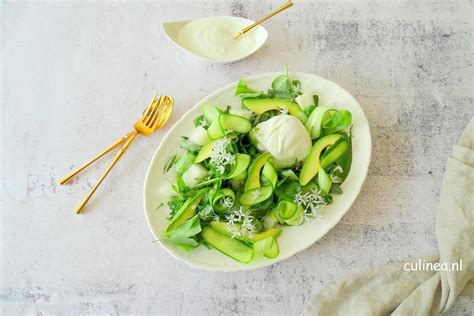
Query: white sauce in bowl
pixel 212 38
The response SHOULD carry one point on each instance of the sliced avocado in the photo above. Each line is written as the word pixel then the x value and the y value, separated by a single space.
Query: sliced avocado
pixel 231 247
pixel 272 232
pixel 235 123
pixel 210 112
pixel 334 153
pixel 242 161
pixel 186 211
pixel 223 228
pixel 256 195
pixel 205 152
pixel 253 177
pixel 311 165
pixel 260 106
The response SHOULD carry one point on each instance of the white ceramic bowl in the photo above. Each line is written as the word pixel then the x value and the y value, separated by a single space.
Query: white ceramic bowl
pixel 293 239
pixel 171 30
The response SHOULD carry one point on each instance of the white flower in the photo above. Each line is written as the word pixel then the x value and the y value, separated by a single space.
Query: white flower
pixel 312 203
pixel 220 157
pixel 246 221
pixel 206 212
pixel 333 174
pixel 248 228
pixel 227 202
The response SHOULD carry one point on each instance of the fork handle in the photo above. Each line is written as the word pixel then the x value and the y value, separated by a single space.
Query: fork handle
pixel 112 147
pixel 112 164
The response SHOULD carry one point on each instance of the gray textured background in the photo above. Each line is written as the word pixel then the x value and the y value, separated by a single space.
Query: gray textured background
pixel 69 67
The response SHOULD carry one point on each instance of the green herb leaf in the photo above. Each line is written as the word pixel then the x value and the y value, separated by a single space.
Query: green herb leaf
pixel 341 120
pixel 189 145
pixel 245 92
pixel 288 190
pixel 183 235
pixel 189 228
pixel 169 163
pixel 175 204
pixel 282 84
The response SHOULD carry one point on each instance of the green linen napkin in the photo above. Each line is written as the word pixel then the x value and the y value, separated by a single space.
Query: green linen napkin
pixel 392 290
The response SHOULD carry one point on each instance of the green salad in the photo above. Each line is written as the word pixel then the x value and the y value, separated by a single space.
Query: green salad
pixel 246 173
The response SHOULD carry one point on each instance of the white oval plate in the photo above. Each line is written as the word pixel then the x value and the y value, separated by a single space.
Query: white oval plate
pixel 293 239
pixel 171 30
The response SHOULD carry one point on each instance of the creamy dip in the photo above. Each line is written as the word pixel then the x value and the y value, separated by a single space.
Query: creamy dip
pixel 211 37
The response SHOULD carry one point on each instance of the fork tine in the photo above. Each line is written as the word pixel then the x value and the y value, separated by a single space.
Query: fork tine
pixel 162 116
pixel 150 107
pixel 150 116
pixel 154 119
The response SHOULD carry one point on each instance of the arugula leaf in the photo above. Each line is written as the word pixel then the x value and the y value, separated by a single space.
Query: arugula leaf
pixel 282 84
pixel 182 235
pixel 341 120
pixel 184 162
pixel 175 204
pixel 287 191
pixel 288 174
pixel 189 228
pixel 189 145
pixel 284 88
pixel 245 92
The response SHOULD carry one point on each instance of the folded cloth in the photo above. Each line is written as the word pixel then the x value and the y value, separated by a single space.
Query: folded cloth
pixel 392 289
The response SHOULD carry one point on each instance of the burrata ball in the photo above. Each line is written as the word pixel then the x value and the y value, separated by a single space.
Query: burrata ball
pixel 284 137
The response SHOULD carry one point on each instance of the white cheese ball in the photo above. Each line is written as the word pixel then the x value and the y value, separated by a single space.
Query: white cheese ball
pixel 284 137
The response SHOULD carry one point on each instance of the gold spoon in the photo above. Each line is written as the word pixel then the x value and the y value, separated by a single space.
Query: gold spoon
pixel 154 117
pixel 261 20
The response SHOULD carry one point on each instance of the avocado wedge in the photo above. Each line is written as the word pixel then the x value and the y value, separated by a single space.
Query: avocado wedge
pixel 253 178
pixel 186 211
pixel 260 106
pixel 311 165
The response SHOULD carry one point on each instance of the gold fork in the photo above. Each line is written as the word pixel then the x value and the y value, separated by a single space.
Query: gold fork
pixel 153 118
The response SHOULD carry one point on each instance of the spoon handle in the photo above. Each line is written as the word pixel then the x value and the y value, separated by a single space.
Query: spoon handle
pixel 266 17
